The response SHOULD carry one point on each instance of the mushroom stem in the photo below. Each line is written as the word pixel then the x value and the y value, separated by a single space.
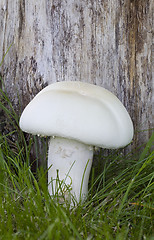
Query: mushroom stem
pixel 72 161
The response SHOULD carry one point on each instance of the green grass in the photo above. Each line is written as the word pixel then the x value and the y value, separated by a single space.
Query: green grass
pixel 119 204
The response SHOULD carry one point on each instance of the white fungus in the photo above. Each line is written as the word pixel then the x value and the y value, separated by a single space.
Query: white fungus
pixel 76 122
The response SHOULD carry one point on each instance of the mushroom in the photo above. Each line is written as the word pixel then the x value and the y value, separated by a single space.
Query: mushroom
pixel 77 116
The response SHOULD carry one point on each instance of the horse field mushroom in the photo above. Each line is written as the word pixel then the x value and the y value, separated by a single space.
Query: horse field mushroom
pixel 77 116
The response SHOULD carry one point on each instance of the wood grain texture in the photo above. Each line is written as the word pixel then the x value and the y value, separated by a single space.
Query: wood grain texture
pixel 108 43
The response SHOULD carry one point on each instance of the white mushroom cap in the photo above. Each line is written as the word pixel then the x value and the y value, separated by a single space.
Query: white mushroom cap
pixel 80 111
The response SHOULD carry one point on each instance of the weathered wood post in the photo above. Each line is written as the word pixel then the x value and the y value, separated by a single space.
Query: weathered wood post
pixel 108 43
